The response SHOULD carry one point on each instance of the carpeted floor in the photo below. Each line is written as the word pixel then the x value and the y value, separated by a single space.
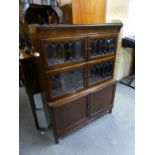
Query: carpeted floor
pixel 112 134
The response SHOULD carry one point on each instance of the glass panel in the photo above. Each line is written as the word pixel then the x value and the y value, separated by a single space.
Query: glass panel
pixel 62 52
pixel 66 81
pixel 102 46
pixel 100 71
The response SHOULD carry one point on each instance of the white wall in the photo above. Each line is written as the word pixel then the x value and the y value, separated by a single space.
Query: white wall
pixel 122 10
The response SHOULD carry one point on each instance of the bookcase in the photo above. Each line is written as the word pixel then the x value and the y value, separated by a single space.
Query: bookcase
pixel 76 70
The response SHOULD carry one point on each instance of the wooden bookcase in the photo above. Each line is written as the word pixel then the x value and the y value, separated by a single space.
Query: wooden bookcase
pixel 76 70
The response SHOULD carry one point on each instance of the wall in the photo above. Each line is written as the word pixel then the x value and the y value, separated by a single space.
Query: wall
pixel 63 2
pixel 120 10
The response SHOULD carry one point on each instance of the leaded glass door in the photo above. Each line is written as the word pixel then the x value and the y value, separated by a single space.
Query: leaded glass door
pixel 100 71
pixel 66 82
pixel 101 46
pixel 64 51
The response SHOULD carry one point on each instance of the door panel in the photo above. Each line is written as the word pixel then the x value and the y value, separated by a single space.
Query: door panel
pixel 66 82
pixel 100 71
pixel 71 114
pixel 101 46
pixel 101 99
pixel 64 51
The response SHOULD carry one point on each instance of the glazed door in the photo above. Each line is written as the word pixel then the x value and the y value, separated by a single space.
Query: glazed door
pixel 99 71
pixel 101 45
pixel 66 82
pixel 63 51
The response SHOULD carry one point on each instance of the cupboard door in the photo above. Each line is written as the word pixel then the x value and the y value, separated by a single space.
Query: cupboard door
pixel 100 71
pixel 64 51
pixel 66 82
pixel 102 100
pixel 70 115
pixel 101 45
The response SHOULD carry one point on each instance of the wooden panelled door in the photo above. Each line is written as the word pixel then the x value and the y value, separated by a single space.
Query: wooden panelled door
pixel 71 114
pixel 101 100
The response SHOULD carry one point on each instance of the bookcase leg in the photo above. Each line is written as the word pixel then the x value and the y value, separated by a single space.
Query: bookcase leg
pixel 110 111
pixel 54 127
pixel 56 140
